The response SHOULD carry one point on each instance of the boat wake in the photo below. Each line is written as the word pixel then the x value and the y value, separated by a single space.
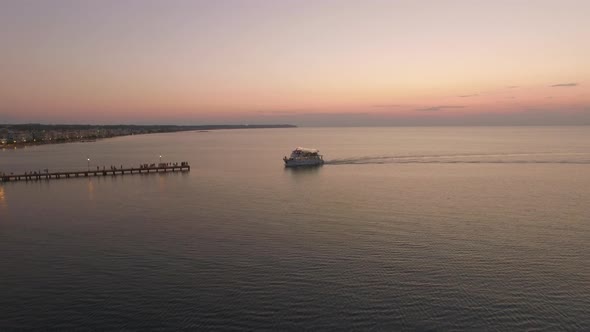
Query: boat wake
pixel 508 158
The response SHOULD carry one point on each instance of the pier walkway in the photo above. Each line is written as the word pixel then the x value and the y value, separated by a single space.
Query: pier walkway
pixel 165 167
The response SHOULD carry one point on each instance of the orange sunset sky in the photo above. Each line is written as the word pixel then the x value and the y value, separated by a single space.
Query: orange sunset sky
pixel 300 62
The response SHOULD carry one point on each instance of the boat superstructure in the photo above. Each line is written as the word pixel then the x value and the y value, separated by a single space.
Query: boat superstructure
pixel 304 157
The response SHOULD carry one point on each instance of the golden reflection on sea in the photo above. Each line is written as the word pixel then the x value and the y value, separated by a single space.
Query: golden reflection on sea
pixel 2 198
pixel 90 190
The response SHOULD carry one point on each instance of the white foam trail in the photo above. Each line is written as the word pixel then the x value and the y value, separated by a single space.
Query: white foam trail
pixel 506 158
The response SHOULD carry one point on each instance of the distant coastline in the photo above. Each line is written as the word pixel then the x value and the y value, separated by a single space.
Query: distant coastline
pixel 20 135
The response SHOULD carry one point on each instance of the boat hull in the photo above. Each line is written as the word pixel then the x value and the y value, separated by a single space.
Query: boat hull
pixel 303 163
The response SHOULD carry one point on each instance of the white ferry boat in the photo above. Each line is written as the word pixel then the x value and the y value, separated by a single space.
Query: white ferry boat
pixel 304 157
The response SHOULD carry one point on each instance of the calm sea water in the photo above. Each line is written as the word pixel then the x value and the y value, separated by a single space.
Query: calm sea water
pixel 403 228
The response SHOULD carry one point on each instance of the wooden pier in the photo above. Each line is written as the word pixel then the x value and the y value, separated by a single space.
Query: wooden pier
pixel 161 168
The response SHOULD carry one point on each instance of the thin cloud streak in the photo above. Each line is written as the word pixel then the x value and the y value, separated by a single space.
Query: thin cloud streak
pixel 564 85
pixel 337 114
pixel 278 112
pixel 438 108
pixel 386 105
pixel 467 96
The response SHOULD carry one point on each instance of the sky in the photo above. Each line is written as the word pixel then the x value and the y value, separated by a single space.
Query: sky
pixel 310 63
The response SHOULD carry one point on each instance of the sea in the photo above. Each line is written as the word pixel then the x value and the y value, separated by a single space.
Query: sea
pixel 403 228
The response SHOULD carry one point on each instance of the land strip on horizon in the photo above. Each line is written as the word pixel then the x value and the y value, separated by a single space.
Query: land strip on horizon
pixel 13 135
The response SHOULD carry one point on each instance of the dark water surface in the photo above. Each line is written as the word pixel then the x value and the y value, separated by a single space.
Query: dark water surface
pixel 403 228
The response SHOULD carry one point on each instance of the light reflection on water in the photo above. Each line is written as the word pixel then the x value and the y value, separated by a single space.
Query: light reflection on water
pixel 3 203
pixel 90 189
